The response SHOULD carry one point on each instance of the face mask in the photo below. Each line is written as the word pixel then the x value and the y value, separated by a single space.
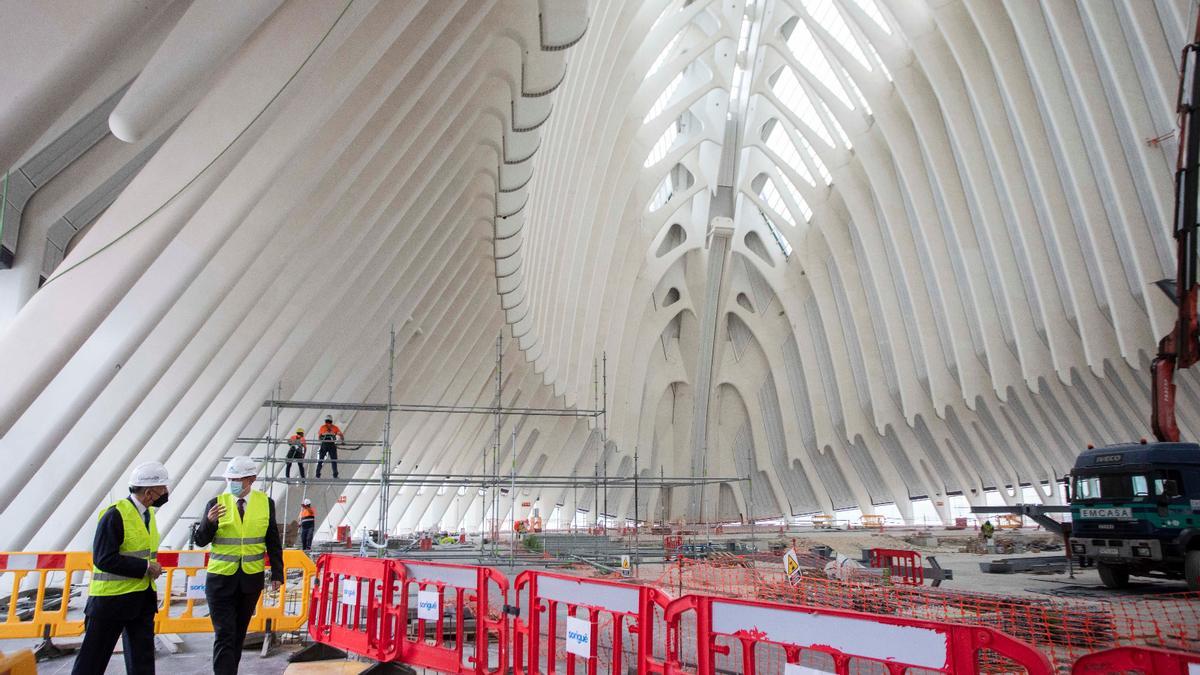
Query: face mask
pixel 158 503
pixel 235 488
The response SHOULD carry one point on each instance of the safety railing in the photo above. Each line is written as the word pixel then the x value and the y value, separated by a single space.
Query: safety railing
pixel 353 606
pixel 450 617
pixel 565 622
pixel 707 635
pixel 445 618
pixel 1138 660
pixel 41 587
pixel 904 567
pixel 184 574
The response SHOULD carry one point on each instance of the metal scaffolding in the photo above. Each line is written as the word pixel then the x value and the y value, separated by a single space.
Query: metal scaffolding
pixel 490 481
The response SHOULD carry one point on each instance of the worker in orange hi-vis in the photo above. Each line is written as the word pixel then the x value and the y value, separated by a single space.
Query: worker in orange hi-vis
pixel 308 523
pixel 330 436
pixel 297 447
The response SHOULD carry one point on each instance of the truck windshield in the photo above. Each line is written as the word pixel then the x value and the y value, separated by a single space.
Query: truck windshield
pixel 1112 486
pixel 1128 485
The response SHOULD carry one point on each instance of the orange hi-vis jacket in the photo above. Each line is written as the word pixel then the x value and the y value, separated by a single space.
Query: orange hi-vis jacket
pixel 308 515
pixel 328 430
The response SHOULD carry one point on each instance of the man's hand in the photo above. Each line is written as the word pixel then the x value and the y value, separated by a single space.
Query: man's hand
pixel 274 586
pixel 215 513
pixel 153 570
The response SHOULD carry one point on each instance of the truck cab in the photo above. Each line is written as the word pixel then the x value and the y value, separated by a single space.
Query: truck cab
pixel 1135 511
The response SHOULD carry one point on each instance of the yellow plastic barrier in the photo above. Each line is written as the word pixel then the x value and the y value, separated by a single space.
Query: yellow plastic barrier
pixel 823 522
pixel 31 614
pixel 18 663
pixel 872 521
pixel 43 580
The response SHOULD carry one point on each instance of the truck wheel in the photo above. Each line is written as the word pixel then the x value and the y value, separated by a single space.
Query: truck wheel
pixel 1191 570
pixel 1113 577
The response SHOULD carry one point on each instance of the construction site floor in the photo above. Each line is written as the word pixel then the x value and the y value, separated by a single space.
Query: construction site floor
pixel 194 657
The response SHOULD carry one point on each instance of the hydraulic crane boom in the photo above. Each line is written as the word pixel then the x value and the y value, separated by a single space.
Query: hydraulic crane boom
pixel 1181 347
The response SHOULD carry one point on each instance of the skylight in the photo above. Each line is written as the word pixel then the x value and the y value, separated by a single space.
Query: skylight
pixel 664 55
pixel 770 194
pixel 789 91
pixel 663 145
pixel 779 143
pixel 826 14
pixel 664 99
pixel 872 10
pixel 804 46
pixel 821 168
pixel 798 199
pixel 780 240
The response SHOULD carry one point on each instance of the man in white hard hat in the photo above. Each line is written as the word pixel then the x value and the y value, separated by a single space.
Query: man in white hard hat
pixel 240 524
pixel 122 599
pixel 308 523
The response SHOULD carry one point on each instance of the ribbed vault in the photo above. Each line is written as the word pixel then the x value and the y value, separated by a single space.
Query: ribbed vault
pixel 873 254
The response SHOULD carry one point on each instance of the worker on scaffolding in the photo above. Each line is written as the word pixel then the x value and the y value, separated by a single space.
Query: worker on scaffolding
pixel 330 436
pixel 308 523
pixel 297 447
pixel 240 524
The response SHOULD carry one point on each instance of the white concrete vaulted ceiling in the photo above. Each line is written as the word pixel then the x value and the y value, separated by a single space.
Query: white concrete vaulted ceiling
pixel 867 252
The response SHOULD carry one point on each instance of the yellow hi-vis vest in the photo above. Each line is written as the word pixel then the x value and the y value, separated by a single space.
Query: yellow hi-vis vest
pixel 241 540
pixel 139 542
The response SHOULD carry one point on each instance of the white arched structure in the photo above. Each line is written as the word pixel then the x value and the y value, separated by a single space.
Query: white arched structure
pixel 867 252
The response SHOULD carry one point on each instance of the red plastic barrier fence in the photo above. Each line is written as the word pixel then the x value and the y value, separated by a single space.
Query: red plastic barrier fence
pixel 906 567
pixel 671 545
pixel 1138 660
pixel 442 598
pixel 762 632
pixel 354 605
pixel 593 622
pixel 452 619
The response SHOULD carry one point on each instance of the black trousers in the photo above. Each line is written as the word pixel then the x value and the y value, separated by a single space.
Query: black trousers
pixel 330 450
pixel 108 619
pixel 230 609
pixel 294 453
pixel 306 536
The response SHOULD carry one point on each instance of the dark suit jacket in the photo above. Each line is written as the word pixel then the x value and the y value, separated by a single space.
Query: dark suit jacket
pixel 240 581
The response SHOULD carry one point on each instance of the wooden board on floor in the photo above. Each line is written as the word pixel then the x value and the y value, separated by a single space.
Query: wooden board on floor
pixel 332 667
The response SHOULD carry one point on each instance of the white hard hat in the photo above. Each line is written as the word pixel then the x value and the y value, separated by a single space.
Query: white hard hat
pixel 306 502
pixel 150 474
pixel 241 467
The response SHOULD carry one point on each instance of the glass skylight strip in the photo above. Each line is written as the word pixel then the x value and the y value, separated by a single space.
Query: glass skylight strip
pixel 781 145
pixel 661 195
pixel 878 59
pixel 665 54
pixel 857 92
pixel 770 194
pixel 825 13
pixel 664 99
pixel 675 6
pixel 872 10
pixel 788 89
pixel 663 145
pixel 798 198
pixel 808 53
pixel 837 126
pixel 816 159
pixel 780 240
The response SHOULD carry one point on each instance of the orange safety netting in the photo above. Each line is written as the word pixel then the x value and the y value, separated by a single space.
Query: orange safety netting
pixel 1063 629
